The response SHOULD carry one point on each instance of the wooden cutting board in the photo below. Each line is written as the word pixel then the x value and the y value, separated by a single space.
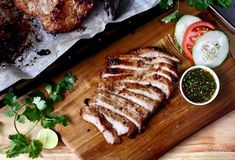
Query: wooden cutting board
pixel 176 120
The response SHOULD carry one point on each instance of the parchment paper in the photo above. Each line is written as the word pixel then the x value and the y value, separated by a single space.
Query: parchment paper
pixel 58 44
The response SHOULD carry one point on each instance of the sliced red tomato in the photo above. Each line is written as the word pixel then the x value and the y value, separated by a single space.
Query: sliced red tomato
pixel 192 33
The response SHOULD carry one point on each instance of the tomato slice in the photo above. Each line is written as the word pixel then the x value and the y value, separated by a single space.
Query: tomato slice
pixel 192 33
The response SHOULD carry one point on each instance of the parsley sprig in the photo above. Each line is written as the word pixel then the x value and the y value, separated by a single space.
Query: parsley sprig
pixel 38 108
pixel 199 4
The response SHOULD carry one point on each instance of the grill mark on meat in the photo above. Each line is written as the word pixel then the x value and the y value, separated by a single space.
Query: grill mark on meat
pixel 160 82
pixel 97 119
pixel 115 72
pixel 145 60
pixel 132 107
pixel 122 107
pixel 119 123
pixel 144 63
pixel 151 52
pixel 146 90
pixel 140 99
pixel 119 65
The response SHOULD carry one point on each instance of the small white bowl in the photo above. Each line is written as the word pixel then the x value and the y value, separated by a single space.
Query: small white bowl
pixel 216 81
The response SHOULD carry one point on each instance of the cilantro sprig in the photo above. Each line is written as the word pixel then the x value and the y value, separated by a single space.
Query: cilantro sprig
pixel 38 108
pixel 198 4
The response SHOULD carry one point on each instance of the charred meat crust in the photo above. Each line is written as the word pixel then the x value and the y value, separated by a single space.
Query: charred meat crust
pixel 57 15
pixel 97 119
pixel 14 32
pixel 132 130
pixel 142 51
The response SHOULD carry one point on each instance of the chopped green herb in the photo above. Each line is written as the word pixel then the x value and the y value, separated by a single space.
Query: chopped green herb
pixel 199 85
pixel 173 17
pixel 166 4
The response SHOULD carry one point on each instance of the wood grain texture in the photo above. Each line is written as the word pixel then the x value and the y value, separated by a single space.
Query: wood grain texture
pixel 176 121
pixel 214 142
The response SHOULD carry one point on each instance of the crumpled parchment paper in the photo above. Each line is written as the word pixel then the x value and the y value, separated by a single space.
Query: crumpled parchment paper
pixel 33 64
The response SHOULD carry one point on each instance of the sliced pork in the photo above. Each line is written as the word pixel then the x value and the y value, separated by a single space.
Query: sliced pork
pixel 151 52
pixel 119 123
pixel 97 119
pixel 131 89
pixel 138 98
pixel 132 112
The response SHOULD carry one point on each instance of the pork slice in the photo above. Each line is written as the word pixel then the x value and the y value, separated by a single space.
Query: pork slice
pixel 115 72
pixel 125 108
pixel 156 81
pixel 117 65
pixel 166 67
pixel 151 52
pixel 119 123
pixel 146 60
pixel 92 116
pixel 140 99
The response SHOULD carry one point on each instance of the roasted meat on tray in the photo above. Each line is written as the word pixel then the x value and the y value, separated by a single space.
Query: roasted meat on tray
pixel 57 15
pixel 14 31
pixel 131 89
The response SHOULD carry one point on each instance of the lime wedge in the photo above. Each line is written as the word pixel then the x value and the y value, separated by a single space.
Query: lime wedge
pixel 48 138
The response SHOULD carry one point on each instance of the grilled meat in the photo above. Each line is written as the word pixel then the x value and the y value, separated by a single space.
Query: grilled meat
pixel 152 52
pixel 57 15
pixel 115 72
pixel 119 123
pixel 125 108
pixel 147 91
pixel 14 31
pixel 140 99
pixel 133 86
pixel 94 117
pixel 121 63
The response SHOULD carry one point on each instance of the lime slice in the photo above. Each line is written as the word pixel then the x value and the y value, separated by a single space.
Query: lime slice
pixel 48 138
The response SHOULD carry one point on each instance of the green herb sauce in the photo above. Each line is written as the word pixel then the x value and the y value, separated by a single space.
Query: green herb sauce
pixel 199 85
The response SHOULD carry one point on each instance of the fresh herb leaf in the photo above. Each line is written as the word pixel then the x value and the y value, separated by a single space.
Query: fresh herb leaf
pixel 31 96
pixel 224 3
pixel 199 4
pixel 173 17
pixel 35 148
pixel 9 112
pixel 202 4
pixel 39 102
pixel 11 100
pixel 51 120
pixel 166 4
pixel 20 144
pixel 66 83
pixel 21 118
pixel 32 113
